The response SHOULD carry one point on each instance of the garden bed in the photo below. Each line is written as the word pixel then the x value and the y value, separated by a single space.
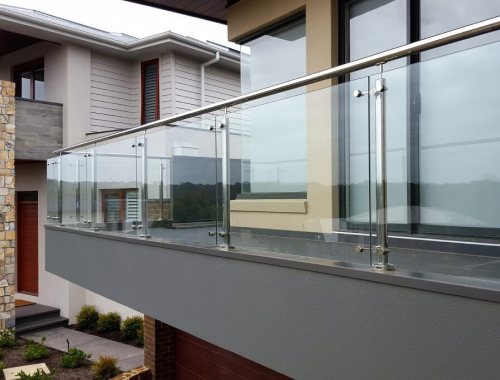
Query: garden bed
pixel 13 357
pixel 113 335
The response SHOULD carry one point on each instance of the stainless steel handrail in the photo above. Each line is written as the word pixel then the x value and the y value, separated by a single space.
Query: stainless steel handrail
pixel 463 33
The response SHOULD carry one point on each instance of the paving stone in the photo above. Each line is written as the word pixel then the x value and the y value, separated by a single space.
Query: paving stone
pixel 128 357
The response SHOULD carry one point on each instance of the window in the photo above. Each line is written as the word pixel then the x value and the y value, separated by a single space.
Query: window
pixel 438 140
pixel 150 91
pixel 30 80
pixel 274 128
pixel 120 205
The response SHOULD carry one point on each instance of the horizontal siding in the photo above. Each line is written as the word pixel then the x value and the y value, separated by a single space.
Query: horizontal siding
pixel 166 103
pixel 220 84
pixel 115 93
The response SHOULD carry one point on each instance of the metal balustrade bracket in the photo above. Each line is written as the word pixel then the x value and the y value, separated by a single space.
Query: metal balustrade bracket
pixel 145 236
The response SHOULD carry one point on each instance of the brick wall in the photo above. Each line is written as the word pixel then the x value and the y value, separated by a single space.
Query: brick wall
pixel 7 204
pixel 159 349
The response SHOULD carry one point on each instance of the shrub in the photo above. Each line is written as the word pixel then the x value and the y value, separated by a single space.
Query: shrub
pixel 131 327
pixel 140 336
pixel 38 375
pixel 87 317
pixel 36 350
pixel 106 368
pixel 74 358
pixel 2 366
pixel 8 338
pixel 109 322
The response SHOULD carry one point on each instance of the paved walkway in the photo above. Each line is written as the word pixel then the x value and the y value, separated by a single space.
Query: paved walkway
pixel 128 357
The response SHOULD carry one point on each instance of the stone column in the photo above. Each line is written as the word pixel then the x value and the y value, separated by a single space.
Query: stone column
pixel 159 349
pixel 7 204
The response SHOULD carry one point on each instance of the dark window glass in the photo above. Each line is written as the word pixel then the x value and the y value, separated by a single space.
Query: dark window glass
pixel 30 80
pixel 439 16
pixel 150 109
pixel 39 76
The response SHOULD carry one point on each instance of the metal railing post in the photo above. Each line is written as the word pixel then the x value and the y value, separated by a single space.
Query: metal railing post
pixel 160 189
pixel 93 189
pixel 59 190
pixel 78 191
pixel 144 186
pixel 382 248
pixel 226 184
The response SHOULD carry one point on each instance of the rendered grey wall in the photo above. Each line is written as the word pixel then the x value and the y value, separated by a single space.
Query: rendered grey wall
pixel 304 324
pixel 39 129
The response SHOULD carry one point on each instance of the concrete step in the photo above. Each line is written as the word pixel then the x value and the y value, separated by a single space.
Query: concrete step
pixel 41 324
pixel 35 312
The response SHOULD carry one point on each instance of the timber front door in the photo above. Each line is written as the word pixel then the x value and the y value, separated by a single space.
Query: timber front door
pixel 27 242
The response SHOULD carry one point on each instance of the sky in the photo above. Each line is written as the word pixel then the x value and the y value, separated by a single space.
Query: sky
pixel 129 18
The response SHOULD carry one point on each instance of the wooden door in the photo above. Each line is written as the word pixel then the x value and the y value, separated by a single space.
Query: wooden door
pixel 27 243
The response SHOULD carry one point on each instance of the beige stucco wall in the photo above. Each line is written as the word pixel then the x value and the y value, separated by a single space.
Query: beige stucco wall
pixel 249 16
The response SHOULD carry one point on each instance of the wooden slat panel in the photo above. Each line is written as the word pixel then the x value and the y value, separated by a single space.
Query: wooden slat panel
pixel 27 250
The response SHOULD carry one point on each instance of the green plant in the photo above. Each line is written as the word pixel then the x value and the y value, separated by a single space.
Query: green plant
pixel 8 338
pixel 131 327
pixel 106 368
pixel 36 350
pixel 73 358
pixel 87 317
pixel 140 336
pixel 38 375
pixel 2 366
pixel 109 322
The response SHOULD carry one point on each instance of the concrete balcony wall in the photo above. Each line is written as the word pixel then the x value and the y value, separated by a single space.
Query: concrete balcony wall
pixel 39 129
pixel 299 319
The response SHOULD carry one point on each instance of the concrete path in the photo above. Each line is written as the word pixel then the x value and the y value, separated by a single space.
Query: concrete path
pixel 128 357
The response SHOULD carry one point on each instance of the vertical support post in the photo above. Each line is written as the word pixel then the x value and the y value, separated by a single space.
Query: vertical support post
pixel 59 189
pixel 160 189
pixel 144 187
pixel 78 191
pixel 382 248
pixel 226 184
pixel 93 189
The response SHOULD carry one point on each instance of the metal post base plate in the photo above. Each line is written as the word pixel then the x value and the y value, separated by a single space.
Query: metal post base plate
pixel 227 246
pixel 386 267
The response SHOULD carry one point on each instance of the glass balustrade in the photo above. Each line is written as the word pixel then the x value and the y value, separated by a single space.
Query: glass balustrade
pixel 302 173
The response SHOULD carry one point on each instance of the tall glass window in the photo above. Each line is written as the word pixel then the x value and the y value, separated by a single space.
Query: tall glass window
pixel 30 80
pixel 442 136
pixel 274 134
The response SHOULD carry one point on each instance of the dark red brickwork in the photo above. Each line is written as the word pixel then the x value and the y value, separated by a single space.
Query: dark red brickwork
pixel 159 349
pixel 196 359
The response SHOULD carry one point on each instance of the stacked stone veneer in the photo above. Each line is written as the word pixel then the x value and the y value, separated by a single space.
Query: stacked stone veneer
pixel 7 204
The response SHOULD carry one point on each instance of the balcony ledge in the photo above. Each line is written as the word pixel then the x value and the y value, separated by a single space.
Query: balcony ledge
pixel 456 286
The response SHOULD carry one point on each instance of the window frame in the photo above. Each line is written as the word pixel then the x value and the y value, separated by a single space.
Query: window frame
pixel 155 61
pixel 31 66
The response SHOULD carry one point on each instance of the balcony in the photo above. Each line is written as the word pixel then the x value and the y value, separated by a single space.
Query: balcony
pixel 39 129
pixel 290 218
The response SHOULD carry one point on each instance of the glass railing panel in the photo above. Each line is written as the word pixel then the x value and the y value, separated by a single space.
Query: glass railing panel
pixel 443 146
pixel 181 177
pixel 115 186
pixel 74 186
pixel 299 195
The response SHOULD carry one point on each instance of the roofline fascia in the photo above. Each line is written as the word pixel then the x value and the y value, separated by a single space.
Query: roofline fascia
pixel 112 44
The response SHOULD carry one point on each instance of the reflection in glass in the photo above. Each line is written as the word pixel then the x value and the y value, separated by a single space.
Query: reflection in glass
pixel 39 83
